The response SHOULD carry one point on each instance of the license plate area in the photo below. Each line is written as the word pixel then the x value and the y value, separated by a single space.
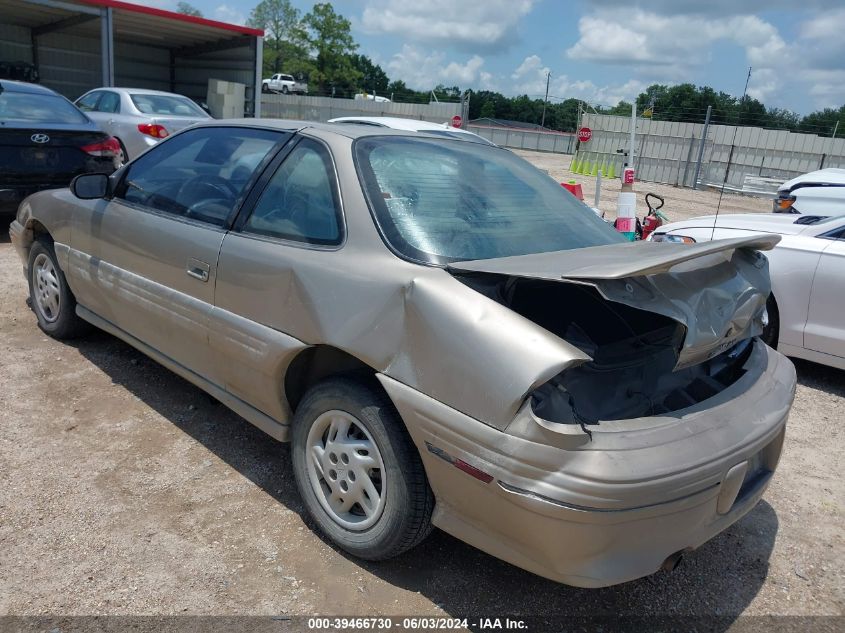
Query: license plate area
pixel 40 157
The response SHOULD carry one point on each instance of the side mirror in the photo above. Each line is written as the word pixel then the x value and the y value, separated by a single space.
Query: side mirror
pixel 90 186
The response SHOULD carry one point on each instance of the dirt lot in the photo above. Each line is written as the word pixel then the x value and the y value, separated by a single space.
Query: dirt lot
pixel 681 203
pixel 125 490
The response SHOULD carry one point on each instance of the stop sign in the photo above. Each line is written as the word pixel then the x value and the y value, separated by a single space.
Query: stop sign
pixel 585 134
pixel 457 120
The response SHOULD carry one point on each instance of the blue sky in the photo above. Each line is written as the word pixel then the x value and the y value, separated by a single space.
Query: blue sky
pixel 602 50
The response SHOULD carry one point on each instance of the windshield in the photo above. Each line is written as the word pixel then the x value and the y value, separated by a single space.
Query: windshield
pixel 39 108
pixel 167 105
pixel 438 201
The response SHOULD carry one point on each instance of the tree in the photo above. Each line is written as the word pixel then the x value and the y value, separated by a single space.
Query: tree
pixel 823 122
pixel 488 111
pixel 188 9
pixel 373 78
pixel 330 36
pixel 284 36
pixel 623 108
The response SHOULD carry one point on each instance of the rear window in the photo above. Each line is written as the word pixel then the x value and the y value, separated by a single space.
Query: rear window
pixel 27 107
pixel 166 105
pixel 439 201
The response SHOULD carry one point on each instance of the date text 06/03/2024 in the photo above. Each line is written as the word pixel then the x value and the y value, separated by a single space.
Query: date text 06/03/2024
pixel 413 623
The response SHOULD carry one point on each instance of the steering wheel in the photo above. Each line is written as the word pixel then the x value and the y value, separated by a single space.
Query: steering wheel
pixel 212 186
pixel 296 206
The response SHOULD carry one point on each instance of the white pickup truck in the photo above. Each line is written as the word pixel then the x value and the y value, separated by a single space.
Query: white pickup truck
pixel 284 84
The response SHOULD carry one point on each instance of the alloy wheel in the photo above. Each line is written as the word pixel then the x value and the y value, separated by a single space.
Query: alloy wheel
pixel 346 470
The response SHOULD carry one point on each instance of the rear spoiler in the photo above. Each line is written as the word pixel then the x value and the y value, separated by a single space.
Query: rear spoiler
pixel 613 261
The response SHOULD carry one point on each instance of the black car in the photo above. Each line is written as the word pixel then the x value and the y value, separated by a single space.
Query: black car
pixel 45 141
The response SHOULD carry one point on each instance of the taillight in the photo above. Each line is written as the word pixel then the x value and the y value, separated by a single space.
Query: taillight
pixel 783 203
pixel 153 129
pixel 109 147
pixel 671 237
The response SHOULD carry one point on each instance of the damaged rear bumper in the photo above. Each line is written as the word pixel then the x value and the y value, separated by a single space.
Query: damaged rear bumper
pixel 596 512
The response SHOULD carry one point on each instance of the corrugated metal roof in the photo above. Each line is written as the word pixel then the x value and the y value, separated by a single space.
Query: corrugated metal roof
pixel 132 22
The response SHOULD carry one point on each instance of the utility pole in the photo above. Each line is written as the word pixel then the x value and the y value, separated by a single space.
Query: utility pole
pixel 835 127
pixel 548 77
pixel 633 135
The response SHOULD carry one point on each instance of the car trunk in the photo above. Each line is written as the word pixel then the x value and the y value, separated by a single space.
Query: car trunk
pixel 665 325
pixel 27 163
pixel 174 124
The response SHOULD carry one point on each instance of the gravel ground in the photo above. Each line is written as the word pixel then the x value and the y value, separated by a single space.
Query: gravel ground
pixel 681 203
pixel 125 490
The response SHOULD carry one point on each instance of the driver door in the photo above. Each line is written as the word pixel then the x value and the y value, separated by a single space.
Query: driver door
pixel 147 259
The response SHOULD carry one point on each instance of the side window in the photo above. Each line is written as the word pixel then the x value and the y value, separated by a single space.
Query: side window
pixel 109 102
pixel 89 101
pixel 835 234
pixel 300 202
pixel 199 174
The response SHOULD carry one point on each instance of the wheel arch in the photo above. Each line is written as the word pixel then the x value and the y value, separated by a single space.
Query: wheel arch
pixel 316 363
pixel 33 230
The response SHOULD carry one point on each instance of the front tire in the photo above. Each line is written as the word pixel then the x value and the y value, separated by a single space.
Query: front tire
pixel 265 88
pixel 284 90
pixel 358 472
pixel 51 299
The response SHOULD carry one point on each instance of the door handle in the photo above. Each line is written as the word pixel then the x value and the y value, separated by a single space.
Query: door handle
pixel 197 269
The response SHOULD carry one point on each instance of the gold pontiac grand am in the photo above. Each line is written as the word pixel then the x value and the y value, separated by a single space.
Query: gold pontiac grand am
pixel 444 334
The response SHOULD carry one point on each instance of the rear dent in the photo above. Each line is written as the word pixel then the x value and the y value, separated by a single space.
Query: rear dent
pixel 592 512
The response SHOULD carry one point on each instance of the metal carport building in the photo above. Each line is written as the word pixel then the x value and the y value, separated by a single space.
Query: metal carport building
pixel 77 45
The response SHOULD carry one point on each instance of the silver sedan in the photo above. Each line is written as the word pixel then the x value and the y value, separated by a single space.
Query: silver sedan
pixel 139 118
pixel 443 333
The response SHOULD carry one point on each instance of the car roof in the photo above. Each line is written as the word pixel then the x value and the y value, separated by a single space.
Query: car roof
pixel 397 123
pixel 349 130
pixel 139 91
pixel 23 86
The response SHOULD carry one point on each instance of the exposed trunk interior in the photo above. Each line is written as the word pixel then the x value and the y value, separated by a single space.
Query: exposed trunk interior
pixel 633 353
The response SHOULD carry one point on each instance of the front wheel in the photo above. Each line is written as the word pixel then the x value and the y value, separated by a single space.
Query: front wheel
pixel 358 472
pixel 284 90
pixel 265 88
pixel 52 301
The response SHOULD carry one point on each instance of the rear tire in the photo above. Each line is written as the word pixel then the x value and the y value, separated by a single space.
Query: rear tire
pixel 284 90
pixel 50 297
pixel 772 330
pixel 357 470
pixel 123 157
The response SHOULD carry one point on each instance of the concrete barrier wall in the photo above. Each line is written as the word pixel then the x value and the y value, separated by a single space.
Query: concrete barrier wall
pixel 667 151
pixel 515 138
pixel 277 106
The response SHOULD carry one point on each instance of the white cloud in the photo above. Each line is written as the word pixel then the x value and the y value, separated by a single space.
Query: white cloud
pixel 529 78
pixel 640 37
pixel 673 46
pixel 488 24
pixel 531 65
pixel 718 8
pixel 423 70
pixel 225 13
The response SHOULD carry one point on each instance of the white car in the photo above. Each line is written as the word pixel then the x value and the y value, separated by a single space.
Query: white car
pixel 807 305
pixel 820 192
pixel 368 97
pixel 139 118
pixel 414 125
